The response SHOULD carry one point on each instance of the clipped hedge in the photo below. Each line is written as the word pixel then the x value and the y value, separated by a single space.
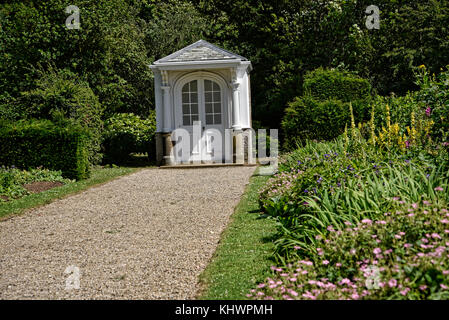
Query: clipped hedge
pixel 325 84
pixel 35 143
pixel 307 118
pixel 127 133
pixel 323 111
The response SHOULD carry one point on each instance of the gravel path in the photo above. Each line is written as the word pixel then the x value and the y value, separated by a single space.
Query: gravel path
pixel 144 236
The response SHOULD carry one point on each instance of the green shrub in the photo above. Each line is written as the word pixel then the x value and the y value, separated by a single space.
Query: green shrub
pixel 127 133
pixel 58 96
pixel 307 118
pixel 433 96
pixel 323 111
pixel 41 143
pixel 324 84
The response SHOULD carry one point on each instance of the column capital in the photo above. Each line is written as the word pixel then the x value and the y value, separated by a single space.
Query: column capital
pixel 164 75
pixel 165 88
pixel 235 86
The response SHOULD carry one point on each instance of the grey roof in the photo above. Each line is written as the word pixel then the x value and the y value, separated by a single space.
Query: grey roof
pixel 201 51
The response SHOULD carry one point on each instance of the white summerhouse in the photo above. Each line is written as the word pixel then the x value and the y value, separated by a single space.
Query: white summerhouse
pixel 202 95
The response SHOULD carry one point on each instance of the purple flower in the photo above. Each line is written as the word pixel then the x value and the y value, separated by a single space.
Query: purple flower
pixel 428 111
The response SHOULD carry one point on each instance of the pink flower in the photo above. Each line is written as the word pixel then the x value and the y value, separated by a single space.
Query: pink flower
pixel 438 189
pixel 367 221
pixel 444 221
pixel 355 296
pixel 293 293
pixel 325 262
pixel 422 287
pixel 405 291
pixel 414 205
pixel 392 283
pixel 443 286
pixel 428 111
pixel 262 285
pixel 377 251
pixel 338 264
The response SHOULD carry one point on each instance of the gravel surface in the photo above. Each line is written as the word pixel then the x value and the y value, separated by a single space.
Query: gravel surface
pixel 144 236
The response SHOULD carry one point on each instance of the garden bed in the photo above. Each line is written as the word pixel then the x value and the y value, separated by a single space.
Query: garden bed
pixel 40 186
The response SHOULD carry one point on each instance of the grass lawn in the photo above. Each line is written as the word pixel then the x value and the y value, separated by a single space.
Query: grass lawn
pixel 243 256
pixel 98 176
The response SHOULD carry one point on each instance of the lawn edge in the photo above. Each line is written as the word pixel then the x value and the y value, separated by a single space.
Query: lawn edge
pixel 44 202
pixel 205 279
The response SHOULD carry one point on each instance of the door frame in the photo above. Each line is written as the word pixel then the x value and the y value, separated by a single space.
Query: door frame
pixel 225 96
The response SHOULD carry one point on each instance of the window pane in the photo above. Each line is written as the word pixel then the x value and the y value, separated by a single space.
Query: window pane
pixel 216 87
pixel 185 97
pixel 208 97
pixel 185 88
pixel 217 118
pixel 209 119
pixel 193 86
pixel 194 118
pixel 217 97
pixel 194 108
pixel 194 97
pixel 186 121
pixel 185 109
pixel 209 108
pixel 207 85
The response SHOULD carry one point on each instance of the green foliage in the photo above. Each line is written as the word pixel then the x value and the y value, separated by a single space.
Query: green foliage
pixel 127 133
pixel 285 39
pixel 401 255
pixel 41 143
pixel 307 118
pixel 434 97
pixel 326 184
pixel 60 97
pixel 174 24
pixel 325 85
pixel 323 111
pixel 108 50
pixel 13 179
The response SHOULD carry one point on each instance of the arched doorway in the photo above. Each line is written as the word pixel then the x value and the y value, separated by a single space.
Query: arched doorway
pixel 201 109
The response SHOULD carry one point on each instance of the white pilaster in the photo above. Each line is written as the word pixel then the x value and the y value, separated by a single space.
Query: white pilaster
pixel 167 127
pixel 236 106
